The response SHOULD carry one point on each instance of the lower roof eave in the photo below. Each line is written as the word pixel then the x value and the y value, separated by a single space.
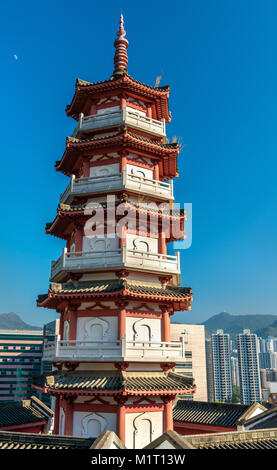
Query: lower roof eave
pixel 114 392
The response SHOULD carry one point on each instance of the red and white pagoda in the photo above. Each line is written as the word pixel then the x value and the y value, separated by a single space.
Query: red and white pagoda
pixel 115 290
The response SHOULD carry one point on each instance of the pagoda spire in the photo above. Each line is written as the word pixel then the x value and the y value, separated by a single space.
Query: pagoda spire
pixel 120 44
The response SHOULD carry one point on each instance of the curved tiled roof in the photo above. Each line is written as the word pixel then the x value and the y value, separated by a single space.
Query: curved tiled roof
pixel 18 440
pixel 90 381
pixel 117 286
pixel 23 412
pixel 84 88
pixel 213 414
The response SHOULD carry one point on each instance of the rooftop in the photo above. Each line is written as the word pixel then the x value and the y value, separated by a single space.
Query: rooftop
pixel 213 414
pixel 23 412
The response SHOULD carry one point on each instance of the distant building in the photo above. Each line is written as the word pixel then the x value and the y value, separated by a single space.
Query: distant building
pixel 50 331
pixel 249 370
pixel 195 363
pixel 221 359
pixel 268 360
pixel 235 371
pixel 209 370
pixel 20 361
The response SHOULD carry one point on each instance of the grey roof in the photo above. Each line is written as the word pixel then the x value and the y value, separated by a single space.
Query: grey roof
pixel 114 285
pixel 213 414
pixel 23 412
pixel 114 381
pixel 266 420
pixel 18 440
pixel 235 440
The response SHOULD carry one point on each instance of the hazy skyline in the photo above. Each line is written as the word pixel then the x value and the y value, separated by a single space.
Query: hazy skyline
pixel 219 59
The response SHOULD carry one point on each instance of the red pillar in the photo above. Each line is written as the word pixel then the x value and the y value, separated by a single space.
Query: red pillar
pixel 57 415
pixel 165 326
pixel 162 243
pixel 122 102
pixel 72 327
pixel 149 111
pixel 121 422
pixel 68 425
pixel 168 419
pixel 121 323
pixel 79 239
pixel 156 171
pixel 86 169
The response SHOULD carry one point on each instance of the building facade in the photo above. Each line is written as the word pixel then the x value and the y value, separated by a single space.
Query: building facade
pixel 221 361
pixel 20 361
pixel 209 370
pixel 249 370
pixel 195 363
pixel 115 290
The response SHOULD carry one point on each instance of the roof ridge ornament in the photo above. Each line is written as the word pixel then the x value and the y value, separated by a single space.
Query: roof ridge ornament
pixel 120 56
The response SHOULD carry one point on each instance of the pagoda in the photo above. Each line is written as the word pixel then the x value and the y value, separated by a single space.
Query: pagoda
pixel 114 285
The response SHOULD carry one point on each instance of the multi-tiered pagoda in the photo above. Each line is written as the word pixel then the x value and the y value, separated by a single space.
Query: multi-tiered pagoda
pixel 114 286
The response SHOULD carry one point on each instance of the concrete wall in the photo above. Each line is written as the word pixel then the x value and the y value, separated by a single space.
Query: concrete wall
pixel 195 337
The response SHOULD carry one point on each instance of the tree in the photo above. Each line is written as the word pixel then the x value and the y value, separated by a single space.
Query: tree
pixel 235 394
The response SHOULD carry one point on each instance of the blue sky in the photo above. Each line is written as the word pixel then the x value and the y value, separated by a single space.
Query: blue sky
pixel 220 61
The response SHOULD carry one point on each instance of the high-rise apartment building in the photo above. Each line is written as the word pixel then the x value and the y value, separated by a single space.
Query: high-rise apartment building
pixel 194 364
pixel 249 370
pixel 209 370
pixel 221 360
pixel 20 360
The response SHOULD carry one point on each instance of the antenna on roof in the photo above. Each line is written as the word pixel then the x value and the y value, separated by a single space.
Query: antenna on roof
pixel 158 79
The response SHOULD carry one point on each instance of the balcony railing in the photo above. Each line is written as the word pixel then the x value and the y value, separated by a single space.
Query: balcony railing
pixel 125 257
pixel 124 180
pixel 122 116
pixel 84 350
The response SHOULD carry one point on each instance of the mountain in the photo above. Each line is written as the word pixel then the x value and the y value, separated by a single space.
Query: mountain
pixel 270 330
pixel 234 324
pixel 11 321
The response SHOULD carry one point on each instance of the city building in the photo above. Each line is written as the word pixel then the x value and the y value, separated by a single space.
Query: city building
pixel 267 360
pixel 235 370
pixel 209 370
pixel 195 363
pixel 221 361
pixel 50 333
pixel 115 290
pixel 20 361
pixel 249 370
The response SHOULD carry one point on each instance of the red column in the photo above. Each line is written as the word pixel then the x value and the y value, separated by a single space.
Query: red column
pixel 57 416
pixel 162 243
pixel 68 425
pixel 121 422
pixel 122 102
pixel 156 172
pixel 86 168
pixel 123 161
pixel 168 419
pixel 72 326
pixel 121 323
pixel 165 326
pixel 149 111
pixel 79 238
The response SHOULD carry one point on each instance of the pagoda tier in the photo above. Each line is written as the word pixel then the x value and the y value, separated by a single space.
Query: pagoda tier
pixel 115 286
pixel 69 217
pixel 121 91
pixel 122 147
pixel 120 397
